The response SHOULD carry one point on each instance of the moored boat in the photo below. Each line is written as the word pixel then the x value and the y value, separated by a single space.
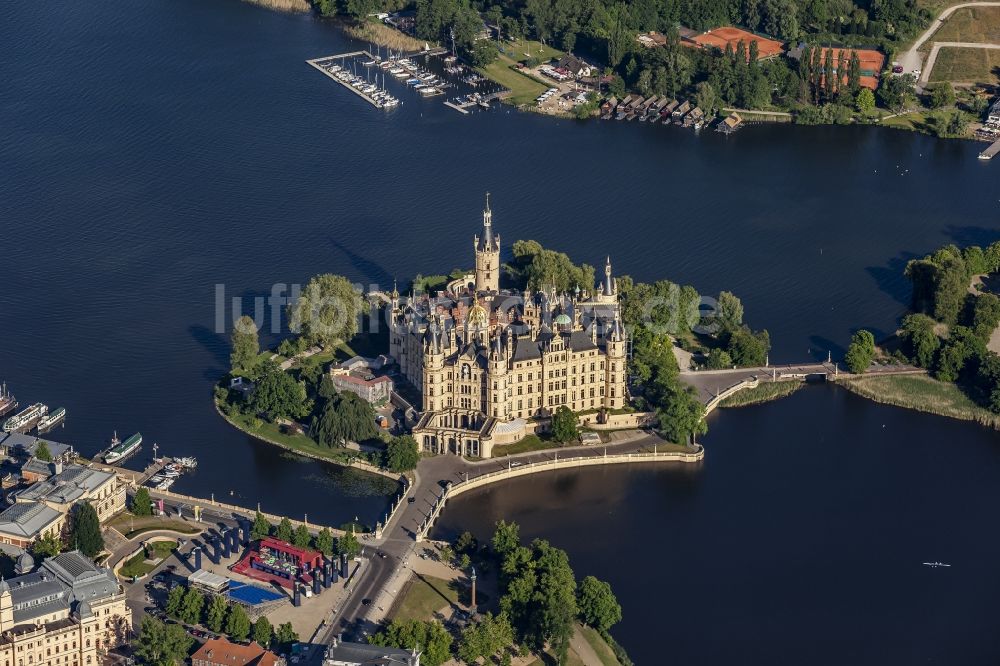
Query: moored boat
pixel 120 450
pixel 25 418
pixel 8 402
pixel 53 418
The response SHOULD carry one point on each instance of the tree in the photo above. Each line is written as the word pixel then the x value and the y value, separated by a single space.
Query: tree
pixel 285 636
pixel 142 505
pixel 160 644
pixel 707 98
pixel 85 534
pixel 681 417
pixel 564 425
pixel 279 395
pixel 348 544
pixel 175 601
pixel 598 606
pixel 237 623
pixel 985 314
pixel 262 631
pixel 942 95
pixel 301 537
pixel 466 543
pixel 327 310
pixel 47 545
pixel 860 352
pixel 401 454
pixel 246 346
pixel 729 310
pixel 42 451
pixel 345 418
pixel 718 359
pixel 485 638
pixel 865 101
pixel 191 606
pixel 324 541
pixel 506 538
pixel 261 527
pixel 894 91
pixel 919 339
pixel 284 531
pixel 432 637
pixel 215 615
pixel 748 348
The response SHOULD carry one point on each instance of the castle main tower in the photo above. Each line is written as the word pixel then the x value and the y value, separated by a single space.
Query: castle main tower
pixel 487 254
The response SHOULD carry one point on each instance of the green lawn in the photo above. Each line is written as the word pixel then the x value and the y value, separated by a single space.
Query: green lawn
pixel 522 49
pixel 923 394
pixel 137 564
pixel 523 89
pixel 132 526
pixel 916 121
pixel 299 443
pixel 529 443
pixel 424 595
pixel 603 650
pixel 967 65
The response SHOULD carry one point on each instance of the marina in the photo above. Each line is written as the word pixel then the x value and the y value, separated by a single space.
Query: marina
pixel 342 68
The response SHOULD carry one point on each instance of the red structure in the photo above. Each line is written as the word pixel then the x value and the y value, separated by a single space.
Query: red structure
pixel 272 560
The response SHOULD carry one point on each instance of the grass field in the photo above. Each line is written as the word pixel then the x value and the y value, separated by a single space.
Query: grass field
pixel 969 24
pixel 424 595
pixel 524 89
pixel 970 65
pixel 298 443
pixel 916 121
pixel 603 650
pixel 923 394
pixel 132 526
pixel 761 393
pixel 137 565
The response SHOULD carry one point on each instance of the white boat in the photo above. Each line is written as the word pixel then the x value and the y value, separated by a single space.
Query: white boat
pixel 430 90
pixel 26 417
pixel 188 462
pixel 936 564
pixel 52 419
pixel 121 450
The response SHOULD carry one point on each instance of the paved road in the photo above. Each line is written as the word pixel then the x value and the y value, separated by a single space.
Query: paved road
pixel 911 59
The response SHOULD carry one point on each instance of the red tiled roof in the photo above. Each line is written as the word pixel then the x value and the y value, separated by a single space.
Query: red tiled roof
pixel 222 652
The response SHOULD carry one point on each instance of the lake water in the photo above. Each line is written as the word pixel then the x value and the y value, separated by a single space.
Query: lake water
pixel 153 153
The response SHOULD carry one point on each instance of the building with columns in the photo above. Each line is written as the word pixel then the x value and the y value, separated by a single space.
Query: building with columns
pixel 492 364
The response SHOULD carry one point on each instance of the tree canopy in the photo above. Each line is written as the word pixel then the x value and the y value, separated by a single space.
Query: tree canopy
pixel 141 503
pixel 598 606
pixel 279 395
pixel 401 454
pixel 564 425
pixel 431 637
pixel 860 352
pixel 245 345
pixel 327 310
pixel 345 418
pixel 159 644
pixel 85 533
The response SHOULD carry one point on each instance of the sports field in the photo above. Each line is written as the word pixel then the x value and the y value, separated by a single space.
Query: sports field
pixel 727 35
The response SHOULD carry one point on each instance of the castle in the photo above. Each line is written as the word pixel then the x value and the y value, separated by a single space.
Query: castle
pixel 491 364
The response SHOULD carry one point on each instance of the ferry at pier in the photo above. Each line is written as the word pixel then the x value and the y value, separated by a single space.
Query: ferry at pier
pixel 53 418
pixel 121 450
pixel 25 418
pixel 8 402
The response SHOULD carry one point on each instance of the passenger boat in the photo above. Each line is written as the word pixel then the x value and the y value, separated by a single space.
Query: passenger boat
pixel 54 417
pixel 7 401
pixel 25 418
pixel 120 450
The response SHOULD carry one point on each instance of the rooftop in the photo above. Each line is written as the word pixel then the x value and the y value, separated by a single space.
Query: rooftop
pixel 27 519
pixel 221 651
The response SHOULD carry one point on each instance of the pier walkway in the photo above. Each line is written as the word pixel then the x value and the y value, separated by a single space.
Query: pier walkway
pixel 991 151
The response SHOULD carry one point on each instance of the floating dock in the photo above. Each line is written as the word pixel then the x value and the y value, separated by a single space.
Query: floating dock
pixel 461 108
pixel 319 62
pixel 991 151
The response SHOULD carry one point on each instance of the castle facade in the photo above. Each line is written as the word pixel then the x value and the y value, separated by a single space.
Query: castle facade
pixel 490 363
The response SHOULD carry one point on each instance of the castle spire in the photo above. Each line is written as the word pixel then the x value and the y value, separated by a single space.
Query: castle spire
pixel 609 285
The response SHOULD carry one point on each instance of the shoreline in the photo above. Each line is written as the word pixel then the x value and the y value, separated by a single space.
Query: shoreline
pixel 356 464
pixel 761 394
pixel 959 411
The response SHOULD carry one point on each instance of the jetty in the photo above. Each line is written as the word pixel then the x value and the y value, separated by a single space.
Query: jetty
pixel 323 63
pixel 991 151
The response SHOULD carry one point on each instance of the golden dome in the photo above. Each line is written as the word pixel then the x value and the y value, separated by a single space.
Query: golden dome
pixel 478 316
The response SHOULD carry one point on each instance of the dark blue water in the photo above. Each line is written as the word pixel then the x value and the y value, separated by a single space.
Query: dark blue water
pixel 151 153
pixel 799 540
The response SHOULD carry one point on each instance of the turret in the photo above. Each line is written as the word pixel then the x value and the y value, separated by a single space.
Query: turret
pixel 6 606
pixel 487 248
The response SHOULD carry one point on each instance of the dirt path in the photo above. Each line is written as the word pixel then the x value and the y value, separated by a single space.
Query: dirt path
pixel 584 650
